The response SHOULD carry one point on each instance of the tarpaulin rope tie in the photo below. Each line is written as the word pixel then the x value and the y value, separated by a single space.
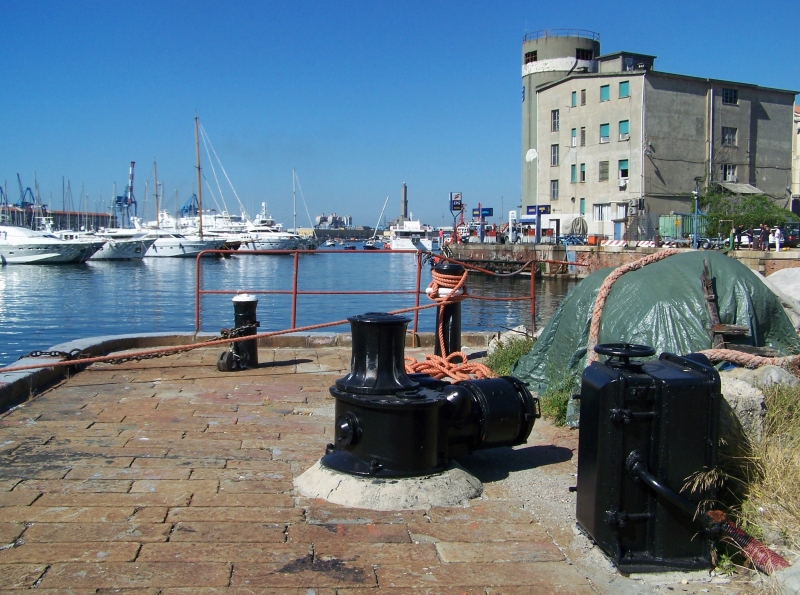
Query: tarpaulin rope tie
pixel 605 289
pixel 748 360
pixel 446 367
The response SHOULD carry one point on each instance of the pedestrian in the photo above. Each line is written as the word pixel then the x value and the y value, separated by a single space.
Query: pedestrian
pixel 778 239
pixel 738 236
pixel 763 238
pixel 751 237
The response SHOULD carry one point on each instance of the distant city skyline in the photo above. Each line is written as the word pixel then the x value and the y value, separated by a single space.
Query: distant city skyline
pixel 358 97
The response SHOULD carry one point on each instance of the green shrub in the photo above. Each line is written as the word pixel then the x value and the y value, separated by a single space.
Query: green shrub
pixel 507 354
pixel 560 388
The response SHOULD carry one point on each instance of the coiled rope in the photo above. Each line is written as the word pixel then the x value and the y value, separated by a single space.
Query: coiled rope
pixel 447 367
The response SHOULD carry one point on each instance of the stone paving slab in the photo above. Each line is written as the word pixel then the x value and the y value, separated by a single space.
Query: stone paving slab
pixel 167 477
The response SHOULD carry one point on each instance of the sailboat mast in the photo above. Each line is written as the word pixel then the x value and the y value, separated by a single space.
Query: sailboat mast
pixel 294 200
pixel 199 186
pixel 155 189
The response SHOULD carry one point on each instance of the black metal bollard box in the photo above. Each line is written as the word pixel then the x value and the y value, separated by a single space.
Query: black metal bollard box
pixel 647 431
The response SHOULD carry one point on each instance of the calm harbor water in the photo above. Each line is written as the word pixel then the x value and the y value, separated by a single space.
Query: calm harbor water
pixel 41 306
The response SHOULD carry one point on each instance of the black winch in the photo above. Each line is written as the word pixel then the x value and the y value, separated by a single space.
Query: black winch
pixel 390 424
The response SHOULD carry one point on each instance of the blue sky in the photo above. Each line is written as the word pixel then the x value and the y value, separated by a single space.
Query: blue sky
pixel 357 96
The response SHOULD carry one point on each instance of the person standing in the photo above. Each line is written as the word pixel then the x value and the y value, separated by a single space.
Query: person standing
pixel 751 238
pixel 778 239
pixel 763 238
pixel 738 236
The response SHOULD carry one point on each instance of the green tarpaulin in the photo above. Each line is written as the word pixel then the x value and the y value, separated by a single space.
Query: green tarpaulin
pixel 661 305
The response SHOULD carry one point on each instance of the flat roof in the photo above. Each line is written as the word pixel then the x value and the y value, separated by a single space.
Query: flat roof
pixel 585 75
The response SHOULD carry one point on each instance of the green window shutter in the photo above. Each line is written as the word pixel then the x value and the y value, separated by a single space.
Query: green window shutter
pixel 624 127
pixel 624 89
pixel 573 170
pixel 604 93
pixel 574 98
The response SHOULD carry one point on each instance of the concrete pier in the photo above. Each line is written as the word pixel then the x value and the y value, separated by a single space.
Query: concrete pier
pixel 168 477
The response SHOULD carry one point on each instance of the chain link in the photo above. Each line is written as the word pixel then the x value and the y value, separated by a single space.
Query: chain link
pixel 232 333
pixel 64 355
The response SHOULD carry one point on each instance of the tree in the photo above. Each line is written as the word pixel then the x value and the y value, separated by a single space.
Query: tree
pixel 749 210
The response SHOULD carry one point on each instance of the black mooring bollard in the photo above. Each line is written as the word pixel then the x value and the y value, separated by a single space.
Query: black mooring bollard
pixel 242 354
pixel 451 313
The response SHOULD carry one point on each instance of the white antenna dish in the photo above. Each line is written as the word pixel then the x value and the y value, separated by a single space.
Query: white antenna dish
pixel 531 155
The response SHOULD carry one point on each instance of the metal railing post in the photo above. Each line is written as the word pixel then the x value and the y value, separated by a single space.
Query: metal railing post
pixel 294 289
pixel 416 299
pixel 197 294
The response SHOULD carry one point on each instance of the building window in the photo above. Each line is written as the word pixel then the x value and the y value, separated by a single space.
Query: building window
pixel 623 169
pixel 574 137
pixel 624 89
pixel 583 206
pixel 530 57
pixel 583 96
pixel 728 137
pixel 574 98
pixel 622 211
pixel 583 136
pixel 603 171
pixel 554 120
pixel 729 172
pixel 601 212
pixel 554 154
pixel 573 173
pixel 604 132
pixel 583 172
pixel 605 94
pixel 730 96
pixel 582 54
pixel 624 130
pixel 553 189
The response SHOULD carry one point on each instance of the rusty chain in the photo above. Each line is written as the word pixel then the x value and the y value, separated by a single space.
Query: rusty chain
pixel 78 354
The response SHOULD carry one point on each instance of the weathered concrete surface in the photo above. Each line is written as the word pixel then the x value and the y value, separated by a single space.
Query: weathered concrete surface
pixel 168 477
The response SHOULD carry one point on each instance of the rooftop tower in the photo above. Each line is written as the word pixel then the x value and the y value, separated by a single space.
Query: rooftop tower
pixel 547 56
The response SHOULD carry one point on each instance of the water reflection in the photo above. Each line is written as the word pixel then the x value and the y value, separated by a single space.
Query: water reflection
pixel 41 306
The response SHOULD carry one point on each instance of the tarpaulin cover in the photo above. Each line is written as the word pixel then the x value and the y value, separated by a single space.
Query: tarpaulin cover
pixel 661 305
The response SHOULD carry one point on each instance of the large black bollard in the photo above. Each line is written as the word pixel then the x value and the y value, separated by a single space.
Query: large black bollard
pixel 449 314
pixel 389 424
pixel 242 354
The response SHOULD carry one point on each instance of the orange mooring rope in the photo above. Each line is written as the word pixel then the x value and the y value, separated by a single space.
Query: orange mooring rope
pixel 605 289
pixel 446 367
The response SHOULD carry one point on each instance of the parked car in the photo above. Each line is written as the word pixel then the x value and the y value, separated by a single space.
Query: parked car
pixel 791 234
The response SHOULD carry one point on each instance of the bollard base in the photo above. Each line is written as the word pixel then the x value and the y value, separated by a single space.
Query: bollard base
pixel 452 487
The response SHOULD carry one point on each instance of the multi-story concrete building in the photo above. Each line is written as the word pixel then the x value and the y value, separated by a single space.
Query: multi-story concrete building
pixel 609 143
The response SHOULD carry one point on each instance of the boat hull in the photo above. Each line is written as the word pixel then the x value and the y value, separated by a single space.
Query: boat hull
pixel 179 247
pixel 133 249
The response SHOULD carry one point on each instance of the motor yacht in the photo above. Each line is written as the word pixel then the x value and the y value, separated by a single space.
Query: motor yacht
pixel 20 245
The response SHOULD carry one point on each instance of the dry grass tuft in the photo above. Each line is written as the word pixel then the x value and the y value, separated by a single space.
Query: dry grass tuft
pixel 772 494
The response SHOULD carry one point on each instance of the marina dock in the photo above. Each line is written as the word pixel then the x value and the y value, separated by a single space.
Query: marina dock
pixel 167 476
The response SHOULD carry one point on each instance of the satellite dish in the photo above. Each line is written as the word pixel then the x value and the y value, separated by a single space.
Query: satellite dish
pixel 531 155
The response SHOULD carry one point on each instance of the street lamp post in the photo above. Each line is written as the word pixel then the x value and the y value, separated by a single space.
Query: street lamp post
pixel 696 194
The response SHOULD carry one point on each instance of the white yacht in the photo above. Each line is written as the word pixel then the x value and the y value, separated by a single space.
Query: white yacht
pixel 20 245
pixel 412 235
pixel 167 243
pixel 268 235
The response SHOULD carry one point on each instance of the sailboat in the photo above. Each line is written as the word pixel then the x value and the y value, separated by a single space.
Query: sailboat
pixel 373 243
